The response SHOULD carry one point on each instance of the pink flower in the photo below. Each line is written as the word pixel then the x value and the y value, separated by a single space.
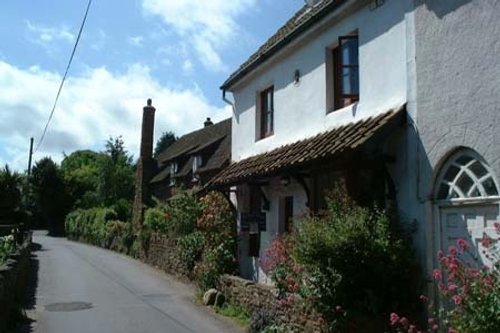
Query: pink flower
pixel 437 274
pixel 394 319
pixel 404 321
pixel 435 327
pixel 424 298
pixel 452 330
pixel 452 287
pixel 462 244
pixel 452 250
pixel 457 299
pixel 412 329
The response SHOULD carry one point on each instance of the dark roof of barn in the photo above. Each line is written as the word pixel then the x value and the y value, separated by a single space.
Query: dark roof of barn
pixel 321 146
pixel 304 19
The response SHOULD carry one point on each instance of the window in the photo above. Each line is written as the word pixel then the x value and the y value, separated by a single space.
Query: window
pixel 345 72
pixel 267 112
pixel 466 175
pixel 197 161
pixel 173 171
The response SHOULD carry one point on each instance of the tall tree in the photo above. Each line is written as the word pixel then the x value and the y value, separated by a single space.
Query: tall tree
pixel 165 140
pixel 81 171
pixel 51 200
pixel 11 210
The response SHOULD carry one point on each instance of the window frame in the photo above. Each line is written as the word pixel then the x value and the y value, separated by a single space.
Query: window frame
pixel 335 66
pixel 264 112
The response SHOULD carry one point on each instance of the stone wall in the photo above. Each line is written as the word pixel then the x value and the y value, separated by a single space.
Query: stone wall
pixel 14 277
pixel 259 298
pixel 163 253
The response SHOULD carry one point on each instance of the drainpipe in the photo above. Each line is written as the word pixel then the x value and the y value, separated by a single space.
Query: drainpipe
pixel 225 99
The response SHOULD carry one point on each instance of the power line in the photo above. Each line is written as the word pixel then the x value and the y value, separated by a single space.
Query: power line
pixel 64 77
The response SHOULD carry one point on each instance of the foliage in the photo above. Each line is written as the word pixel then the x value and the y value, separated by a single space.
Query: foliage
pixel 470 298
pixel 231 311
pixel 7 246
pixel 216 220
pixel 116 176
pixel 11 210
pixel 51 199
pixel 350 263
pixel 165 141
pixel 99 226
pixel 81 171
pixel 183 211
pixel 191 248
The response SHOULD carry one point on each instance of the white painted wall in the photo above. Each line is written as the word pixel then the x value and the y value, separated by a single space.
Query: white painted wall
pixel 301 109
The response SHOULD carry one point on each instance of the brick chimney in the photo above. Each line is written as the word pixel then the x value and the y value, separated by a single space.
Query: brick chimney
pixel 208 122
pixel 145 166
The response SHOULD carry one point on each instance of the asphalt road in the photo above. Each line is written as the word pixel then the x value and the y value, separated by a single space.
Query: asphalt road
pixel 85 289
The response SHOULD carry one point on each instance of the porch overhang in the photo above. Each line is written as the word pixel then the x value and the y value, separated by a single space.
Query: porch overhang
pixel 298 155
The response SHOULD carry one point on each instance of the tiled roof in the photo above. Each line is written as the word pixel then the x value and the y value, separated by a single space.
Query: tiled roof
pixel 162 175
pixel 324 145
pixel 216 138
pixel 195 140
pixel 300 22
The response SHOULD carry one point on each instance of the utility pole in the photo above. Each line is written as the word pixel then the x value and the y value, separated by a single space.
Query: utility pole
pixel 31 156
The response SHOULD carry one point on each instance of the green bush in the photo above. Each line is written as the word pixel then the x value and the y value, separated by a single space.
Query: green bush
pixel 155 220
pixel 7 246
pixel 191 248
pixel 352 261
pixel 182 212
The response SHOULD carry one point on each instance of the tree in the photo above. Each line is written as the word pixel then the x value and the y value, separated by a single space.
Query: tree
pixel 51 200
pixel 81 171
pixel 11 210
pixel 116 182
pixel 165 140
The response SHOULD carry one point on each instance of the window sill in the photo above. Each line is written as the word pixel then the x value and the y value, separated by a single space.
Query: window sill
pixel 264 137
pixel 352 106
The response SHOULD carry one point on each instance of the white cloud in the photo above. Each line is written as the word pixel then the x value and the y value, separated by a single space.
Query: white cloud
pixel 187 67
pixel 44 35
pixel 208 25
pixel 92 107
pixel 136 41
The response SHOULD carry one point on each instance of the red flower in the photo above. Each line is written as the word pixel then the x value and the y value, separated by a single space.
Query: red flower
pixel 437 274
pixel 394 318
pixel 457 299
pixel 462 244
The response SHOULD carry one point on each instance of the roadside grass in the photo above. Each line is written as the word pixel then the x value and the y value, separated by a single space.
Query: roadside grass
pixel 236 313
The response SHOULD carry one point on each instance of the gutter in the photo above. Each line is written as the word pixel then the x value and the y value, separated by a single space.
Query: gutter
pixel 225 99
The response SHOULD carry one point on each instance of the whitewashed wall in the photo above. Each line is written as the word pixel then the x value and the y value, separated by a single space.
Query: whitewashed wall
pixel 301 109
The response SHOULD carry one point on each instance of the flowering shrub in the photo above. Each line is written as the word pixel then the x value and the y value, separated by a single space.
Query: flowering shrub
pixel 351 265
pixel 470 297
pixel 216 222
pixel 7 246
pixel 191 248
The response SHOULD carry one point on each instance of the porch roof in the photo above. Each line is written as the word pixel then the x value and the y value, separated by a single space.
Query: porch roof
pixel 325 145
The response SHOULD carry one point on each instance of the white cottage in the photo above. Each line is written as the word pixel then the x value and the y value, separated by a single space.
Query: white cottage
pixel 353 90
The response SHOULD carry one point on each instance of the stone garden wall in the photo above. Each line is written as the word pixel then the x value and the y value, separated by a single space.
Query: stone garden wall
pixel 14 279
pixel 164 254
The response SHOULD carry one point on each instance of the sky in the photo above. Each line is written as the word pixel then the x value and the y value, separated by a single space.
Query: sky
pixel 177 52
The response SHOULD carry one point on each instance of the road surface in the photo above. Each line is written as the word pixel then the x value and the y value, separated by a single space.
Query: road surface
pixel 84 289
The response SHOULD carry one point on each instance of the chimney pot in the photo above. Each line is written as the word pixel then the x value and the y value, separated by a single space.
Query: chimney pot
pixel 150 102
pixel 208 122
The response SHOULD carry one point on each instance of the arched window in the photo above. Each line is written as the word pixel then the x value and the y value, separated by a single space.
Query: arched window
pixel 466 175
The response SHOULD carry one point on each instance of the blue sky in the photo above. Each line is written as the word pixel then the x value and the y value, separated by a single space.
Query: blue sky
pixel 176 52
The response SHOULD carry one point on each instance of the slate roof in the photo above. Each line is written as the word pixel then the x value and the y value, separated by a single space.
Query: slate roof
pixel 193 141
pixel 324 145
pixel 305 18
pixel 216 136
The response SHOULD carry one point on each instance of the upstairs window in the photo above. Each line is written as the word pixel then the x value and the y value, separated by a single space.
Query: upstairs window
pixel 346 72
pixel 266 112
pixel 173 171
pixel 197 161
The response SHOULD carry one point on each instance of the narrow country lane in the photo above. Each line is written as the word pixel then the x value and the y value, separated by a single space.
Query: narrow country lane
pixel 85 289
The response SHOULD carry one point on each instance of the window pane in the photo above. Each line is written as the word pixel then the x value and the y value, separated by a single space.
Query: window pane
pixel 478 169
pixel 443 191
pixel 490 187
pixel 465 183
pixel 350 81
pixel 349 51
pixel 463 160
pixel 269 122
pixel 451 173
